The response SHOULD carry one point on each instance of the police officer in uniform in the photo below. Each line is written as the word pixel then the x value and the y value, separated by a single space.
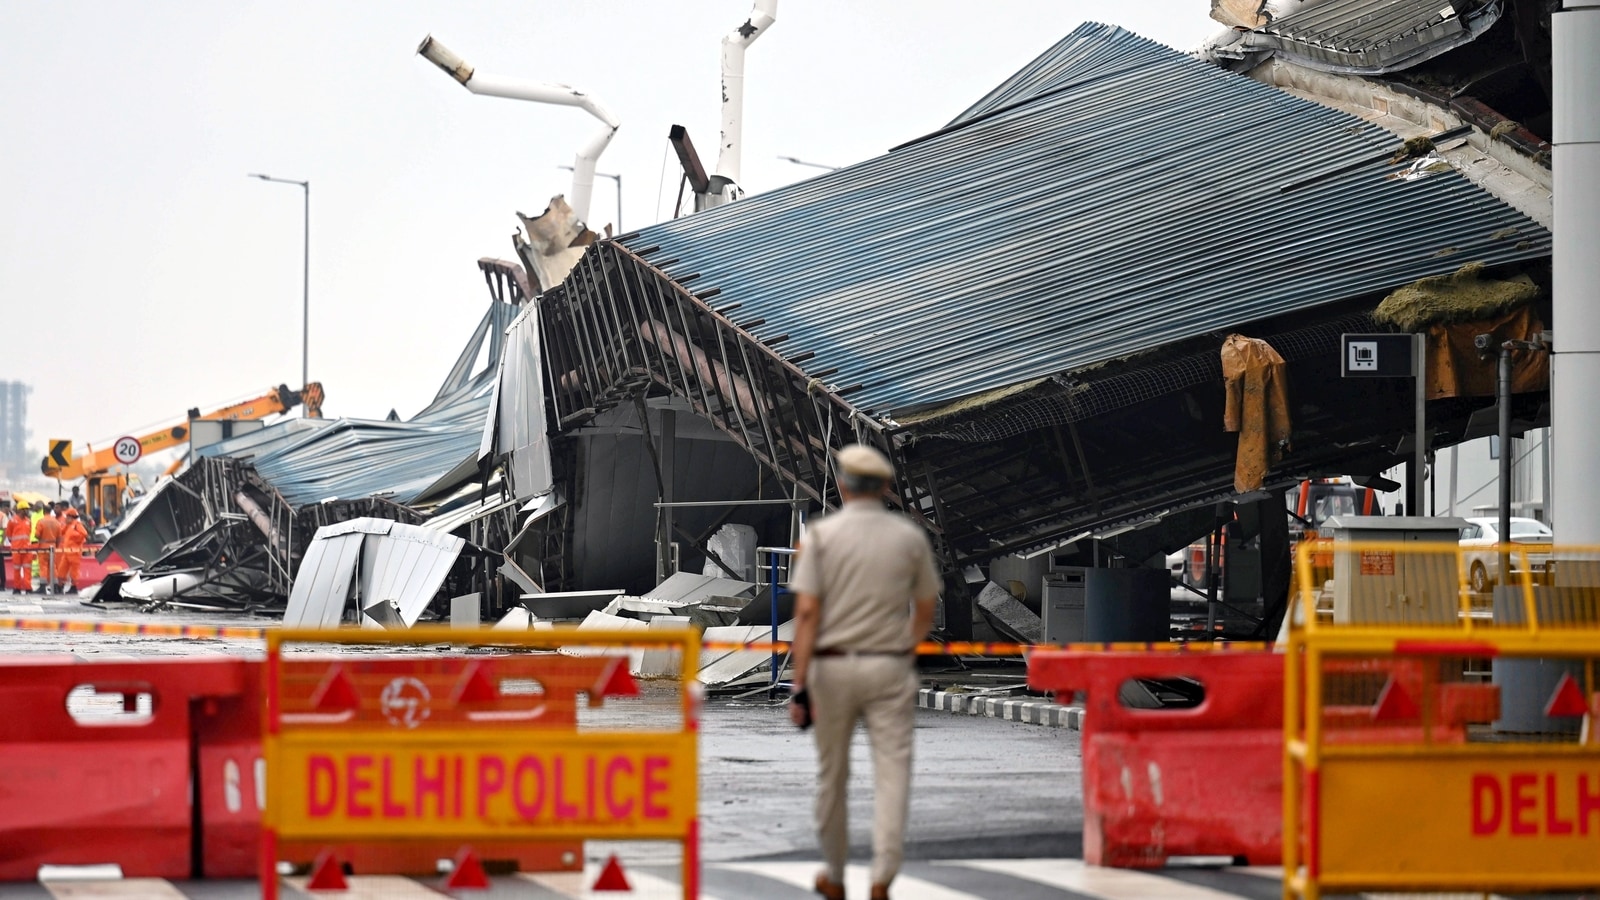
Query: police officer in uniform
pixel 865 585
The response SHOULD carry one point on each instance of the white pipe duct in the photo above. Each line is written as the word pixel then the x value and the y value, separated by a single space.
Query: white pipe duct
pixel 538 92
pixel 1575 370
pixel 761 18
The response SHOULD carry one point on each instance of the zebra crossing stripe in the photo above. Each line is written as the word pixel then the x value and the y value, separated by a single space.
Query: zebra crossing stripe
pixel 857 880
pixel 131 888
pixel 1093 881
pixel 363 887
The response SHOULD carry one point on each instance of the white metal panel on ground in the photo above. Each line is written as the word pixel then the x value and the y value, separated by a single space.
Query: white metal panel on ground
pixel 688 587
pixel 721 667
pixel 1095 881
pixel 857 880
pixel 321 587
pixel 407 565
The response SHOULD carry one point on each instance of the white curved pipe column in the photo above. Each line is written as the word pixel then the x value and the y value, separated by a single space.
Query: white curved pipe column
pixel 583 164
pixel 761 18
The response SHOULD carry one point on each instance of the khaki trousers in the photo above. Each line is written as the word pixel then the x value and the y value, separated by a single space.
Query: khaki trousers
pixel 882 690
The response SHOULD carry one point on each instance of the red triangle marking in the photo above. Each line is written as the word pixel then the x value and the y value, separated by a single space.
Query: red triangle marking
pixel 616 680
pixel 327 874
pixel 336 693
pixel 1567 700
pixel 475 685
pixel 612 878
pixel 1394 703
pixel 468 873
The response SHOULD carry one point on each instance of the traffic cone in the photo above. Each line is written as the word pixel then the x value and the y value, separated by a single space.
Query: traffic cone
pixel 327 874
pixel 612 878
pixel 468 873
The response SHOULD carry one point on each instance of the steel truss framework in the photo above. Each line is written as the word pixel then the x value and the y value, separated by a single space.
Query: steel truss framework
pixel 1129 443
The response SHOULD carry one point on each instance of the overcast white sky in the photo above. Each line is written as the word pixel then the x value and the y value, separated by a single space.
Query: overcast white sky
pixel 143 274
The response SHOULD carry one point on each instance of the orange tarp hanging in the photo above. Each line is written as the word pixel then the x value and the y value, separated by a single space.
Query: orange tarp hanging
pixel 1456 369
pixel 1257 407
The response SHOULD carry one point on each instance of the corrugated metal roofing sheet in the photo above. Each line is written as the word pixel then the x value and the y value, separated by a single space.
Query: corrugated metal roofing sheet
pixel 353 458
pixel 1131 197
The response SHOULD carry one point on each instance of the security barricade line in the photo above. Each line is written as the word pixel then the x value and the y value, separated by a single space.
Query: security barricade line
pixel 141 629
pixel 955 648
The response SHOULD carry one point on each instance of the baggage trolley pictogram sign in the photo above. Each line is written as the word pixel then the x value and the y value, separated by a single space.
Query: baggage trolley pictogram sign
pixel 383 752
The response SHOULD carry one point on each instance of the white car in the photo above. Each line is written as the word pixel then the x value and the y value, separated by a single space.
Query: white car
pixel 1482 560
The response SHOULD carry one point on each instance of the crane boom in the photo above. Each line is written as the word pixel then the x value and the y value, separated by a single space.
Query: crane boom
pixel 275 400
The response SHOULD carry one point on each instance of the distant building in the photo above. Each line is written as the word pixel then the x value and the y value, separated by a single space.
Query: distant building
pixel 14 455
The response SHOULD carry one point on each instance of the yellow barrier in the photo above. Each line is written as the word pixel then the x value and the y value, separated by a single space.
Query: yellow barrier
pixel 1436 738
pixel 377 753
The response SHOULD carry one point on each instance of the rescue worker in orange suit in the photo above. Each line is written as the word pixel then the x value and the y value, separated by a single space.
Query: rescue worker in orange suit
pixel 19 534
pixel 73 537
pixel 46 537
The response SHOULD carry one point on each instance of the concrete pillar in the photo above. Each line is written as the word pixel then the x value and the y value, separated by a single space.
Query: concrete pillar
pixel 1575 370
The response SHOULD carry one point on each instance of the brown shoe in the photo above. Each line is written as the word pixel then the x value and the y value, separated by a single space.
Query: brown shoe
pixel 828 888
pixel 880 892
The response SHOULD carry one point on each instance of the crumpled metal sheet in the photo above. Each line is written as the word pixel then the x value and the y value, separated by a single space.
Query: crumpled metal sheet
pixel 376 561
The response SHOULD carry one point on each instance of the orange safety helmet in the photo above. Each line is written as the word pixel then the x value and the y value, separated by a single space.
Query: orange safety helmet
pixel 72 514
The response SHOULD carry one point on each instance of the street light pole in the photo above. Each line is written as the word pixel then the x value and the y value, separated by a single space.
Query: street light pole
pixel 618 180
pixel 305 277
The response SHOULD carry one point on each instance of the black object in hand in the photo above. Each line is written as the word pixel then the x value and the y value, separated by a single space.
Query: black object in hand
pixel 801 700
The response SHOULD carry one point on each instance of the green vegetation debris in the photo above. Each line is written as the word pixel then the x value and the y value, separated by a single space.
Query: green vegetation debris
pixel 1462 296
pixel 1503 128
pixel 1421 145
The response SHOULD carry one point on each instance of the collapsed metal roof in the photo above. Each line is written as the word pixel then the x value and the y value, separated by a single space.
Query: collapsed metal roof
pixel 1024 309
pixel 409 462
pixel 1114 196
pixel 1374 36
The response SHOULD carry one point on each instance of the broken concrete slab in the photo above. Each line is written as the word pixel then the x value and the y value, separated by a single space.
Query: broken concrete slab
pixel 1008 615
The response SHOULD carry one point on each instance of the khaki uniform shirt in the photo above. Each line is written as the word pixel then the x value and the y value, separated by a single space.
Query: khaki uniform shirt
pixel 866 564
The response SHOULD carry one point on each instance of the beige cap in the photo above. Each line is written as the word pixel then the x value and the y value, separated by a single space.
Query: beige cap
pixel 864 462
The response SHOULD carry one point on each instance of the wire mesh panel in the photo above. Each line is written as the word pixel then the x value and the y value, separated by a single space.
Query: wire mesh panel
pixel 1437 738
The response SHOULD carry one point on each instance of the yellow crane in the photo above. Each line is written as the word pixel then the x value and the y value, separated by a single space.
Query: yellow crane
pixel 105 470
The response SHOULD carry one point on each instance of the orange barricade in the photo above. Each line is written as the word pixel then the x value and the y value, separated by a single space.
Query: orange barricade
pixel 96 761
pixel 1202 778
pixel 389 763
